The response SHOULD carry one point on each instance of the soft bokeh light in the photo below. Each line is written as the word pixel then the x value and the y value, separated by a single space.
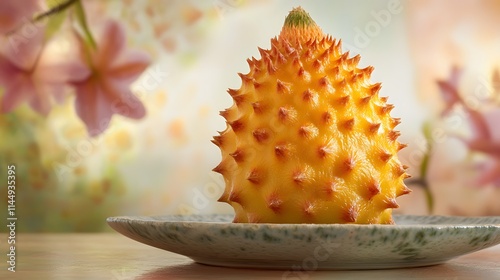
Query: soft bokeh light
pixel 161 164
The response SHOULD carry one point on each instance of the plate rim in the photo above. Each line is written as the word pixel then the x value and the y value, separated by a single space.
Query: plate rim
pixel 159 219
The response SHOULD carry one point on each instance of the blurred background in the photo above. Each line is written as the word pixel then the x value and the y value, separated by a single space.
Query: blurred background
pixel 438 62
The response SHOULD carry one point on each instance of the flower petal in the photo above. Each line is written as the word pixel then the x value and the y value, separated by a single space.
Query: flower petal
pixel 485 146
pixel 12 13
pixel 130 65
pixel 40 102
pixel 488 175
pixel 122 100
pixel 69 71
pixel 59 92
pixel 23 49
pixel 479 126
pixel 111 43
pixel 15 93
pixel 492 117
pixel 92 106
pixel 449 95
pixel 7 71
pixel 449 90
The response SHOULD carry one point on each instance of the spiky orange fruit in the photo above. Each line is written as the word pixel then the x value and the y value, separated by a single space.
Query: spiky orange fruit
pixel 309 139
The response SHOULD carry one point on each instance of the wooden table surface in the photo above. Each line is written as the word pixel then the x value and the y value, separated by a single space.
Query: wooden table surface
pixel 112 256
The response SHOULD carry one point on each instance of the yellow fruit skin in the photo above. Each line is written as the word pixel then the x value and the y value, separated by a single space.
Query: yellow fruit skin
pixel 309 139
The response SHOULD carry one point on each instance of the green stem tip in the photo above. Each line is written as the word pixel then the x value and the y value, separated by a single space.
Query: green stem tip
pixel 298 17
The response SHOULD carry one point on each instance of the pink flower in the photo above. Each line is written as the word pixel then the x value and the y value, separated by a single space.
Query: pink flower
pixel 30 74
pixel 106 89
pixel 449 90
pixel 14 12
pixel 490 171
pixel 485 138
pixel 451 97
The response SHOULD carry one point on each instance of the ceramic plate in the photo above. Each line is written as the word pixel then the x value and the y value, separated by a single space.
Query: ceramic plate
pixel 214 240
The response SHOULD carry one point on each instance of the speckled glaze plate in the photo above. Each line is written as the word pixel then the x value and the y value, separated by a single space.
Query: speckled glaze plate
pixel 413 241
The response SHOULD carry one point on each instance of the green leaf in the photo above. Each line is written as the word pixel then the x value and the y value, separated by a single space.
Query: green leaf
pixel 55 15
pixel 426 129
pixel 82 21
pixel 54 23
pixel 424 166
pixel 429 198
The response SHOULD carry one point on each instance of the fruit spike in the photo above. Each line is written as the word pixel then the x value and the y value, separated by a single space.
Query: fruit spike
pixel 260 135
pixel 308 138
pixel 274 203
pixel 257 107
pixel 238 155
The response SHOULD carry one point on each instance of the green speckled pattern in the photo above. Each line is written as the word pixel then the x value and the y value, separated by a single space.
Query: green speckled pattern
pixel 414 241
